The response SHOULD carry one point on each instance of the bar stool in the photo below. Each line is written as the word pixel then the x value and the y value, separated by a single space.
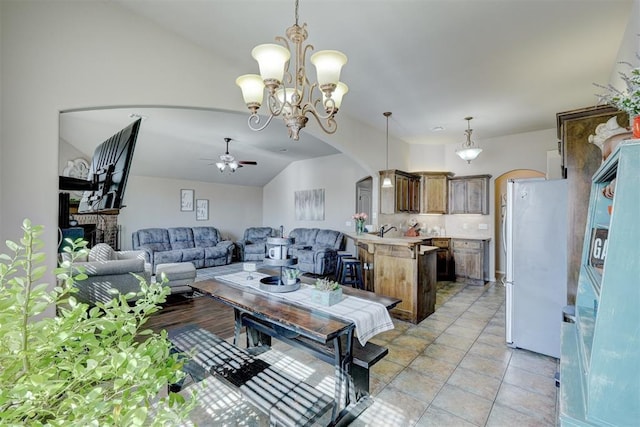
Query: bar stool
pixel 341 255
pixel 352 273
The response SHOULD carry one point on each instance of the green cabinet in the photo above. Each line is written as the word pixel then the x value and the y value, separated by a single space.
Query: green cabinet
pixel 600 352
pixel 469 194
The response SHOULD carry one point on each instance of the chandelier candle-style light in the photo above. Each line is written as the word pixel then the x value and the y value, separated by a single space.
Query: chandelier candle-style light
pixel 289 92
pixel 468 151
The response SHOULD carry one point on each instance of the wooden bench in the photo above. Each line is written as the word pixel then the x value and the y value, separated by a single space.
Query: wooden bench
pixel 364 357
pixel 285 399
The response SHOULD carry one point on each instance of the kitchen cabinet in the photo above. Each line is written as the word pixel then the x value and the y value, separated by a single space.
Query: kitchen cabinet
pixel 444 257
pixel 471 260
pixel 404 196
pixel 469 194
pixel 434 194
pixel 600 351
pixel 580 160
pixel 403 268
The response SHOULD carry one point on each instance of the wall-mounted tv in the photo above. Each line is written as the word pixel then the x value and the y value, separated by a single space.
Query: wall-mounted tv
pixel 108 172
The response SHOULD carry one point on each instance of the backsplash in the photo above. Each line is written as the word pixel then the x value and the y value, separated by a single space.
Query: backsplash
pixel 440 225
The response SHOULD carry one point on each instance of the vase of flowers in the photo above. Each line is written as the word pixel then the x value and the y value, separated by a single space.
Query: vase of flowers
pixel 360 219
pixel 628 99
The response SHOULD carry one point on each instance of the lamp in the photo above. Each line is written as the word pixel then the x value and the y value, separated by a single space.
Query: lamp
pixel 386 182
pixel 468 151
pixel 294 102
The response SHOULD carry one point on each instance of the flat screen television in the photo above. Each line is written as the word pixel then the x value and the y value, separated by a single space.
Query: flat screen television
pixel 109 171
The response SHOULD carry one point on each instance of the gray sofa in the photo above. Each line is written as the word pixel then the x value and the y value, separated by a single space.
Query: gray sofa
pixel 253 245
pixel 108 269
pixel 316 249
pixel 201 246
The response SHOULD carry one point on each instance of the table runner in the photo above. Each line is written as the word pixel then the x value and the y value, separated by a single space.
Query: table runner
pixel 370 318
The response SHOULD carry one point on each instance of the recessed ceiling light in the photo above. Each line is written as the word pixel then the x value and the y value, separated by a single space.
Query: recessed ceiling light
pixel 437 128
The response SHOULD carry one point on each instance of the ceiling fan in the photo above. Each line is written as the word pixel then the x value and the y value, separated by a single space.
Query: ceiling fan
pixel 228 161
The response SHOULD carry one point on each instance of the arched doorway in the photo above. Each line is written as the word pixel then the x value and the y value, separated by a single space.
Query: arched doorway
pixel 500 207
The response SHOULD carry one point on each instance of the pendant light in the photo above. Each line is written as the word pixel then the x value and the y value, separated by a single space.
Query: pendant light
pixel 386 182
pixel 468 151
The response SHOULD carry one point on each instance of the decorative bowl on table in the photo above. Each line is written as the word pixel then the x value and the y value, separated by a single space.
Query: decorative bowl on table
pixel 274 284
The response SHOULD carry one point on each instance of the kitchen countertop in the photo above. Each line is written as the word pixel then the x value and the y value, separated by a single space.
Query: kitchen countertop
pixel 393 241
pixel 404 240
pixel 458 236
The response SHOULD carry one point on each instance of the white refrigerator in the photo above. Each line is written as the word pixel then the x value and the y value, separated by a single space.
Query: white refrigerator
pixel 535 242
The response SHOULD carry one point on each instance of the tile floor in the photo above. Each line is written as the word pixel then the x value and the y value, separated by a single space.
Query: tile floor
pixel 452 369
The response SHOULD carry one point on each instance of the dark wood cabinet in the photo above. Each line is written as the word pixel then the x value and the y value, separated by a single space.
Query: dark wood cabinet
pixel 471 258
pixel 404 196
pixel 434 192
pixel 469 194
pixel 444 257
pixel 580 160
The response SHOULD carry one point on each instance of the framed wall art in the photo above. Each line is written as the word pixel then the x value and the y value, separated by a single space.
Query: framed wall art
pixel 186 200
pixel 202 210
pixel 309 205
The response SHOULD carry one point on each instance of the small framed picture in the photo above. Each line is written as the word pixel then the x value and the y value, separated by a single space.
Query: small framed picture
pixel 202 210
pixel 186 200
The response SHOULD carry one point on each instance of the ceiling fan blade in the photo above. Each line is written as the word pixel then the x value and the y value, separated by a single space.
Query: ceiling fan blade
pixel 242 162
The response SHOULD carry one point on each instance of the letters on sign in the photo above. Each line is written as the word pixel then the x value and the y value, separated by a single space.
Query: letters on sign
pixel 598 249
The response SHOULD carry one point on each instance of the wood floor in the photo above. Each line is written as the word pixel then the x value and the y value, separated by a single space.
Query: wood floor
pixel 202 311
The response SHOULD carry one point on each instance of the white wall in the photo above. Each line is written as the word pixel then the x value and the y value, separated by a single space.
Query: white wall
pixel 155 202
pixel 337 174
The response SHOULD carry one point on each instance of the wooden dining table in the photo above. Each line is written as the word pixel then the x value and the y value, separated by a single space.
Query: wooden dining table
pixel 265 315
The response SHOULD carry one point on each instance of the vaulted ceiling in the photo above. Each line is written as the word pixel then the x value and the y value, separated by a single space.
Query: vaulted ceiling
pixel 511 64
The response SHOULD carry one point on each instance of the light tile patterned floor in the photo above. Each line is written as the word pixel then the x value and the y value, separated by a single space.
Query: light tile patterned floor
pixel 452 369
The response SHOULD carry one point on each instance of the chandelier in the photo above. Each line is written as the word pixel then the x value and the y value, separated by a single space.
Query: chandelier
pixel 289 92
pixel 468 151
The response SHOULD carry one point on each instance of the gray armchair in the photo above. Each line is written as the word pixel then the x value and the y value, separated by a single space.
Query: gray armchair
pixel 316 249
pixel 108 269
pixel 253 246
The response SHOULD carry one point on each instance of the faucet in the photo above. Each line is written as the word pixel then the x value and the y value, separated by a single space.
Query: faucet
pixel 384 230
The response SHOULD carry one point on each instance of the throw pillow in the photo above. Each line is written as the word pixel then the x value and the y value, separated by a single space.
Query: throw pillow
pixel 101 252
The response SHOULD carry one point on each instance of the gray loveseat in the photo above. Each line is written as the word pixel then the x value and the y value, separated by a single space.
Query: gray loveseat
pixel 316 249
pixel 201 246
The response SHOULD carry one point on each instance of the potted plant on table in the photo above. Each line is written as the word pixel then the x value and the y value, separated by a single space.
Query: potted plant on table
pixel 290 276
pixel 326 292
pixel 85 366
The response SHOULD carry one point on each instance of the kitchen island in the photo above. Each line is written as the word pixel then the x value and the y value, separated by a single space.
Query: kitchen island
pixel 400 267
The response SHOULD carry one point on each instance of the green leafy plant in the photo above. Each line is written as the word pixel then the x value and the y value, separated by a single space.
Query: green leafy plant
pixel 627 100
pixel 326 285
pixel 86 366
pixel 291 273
